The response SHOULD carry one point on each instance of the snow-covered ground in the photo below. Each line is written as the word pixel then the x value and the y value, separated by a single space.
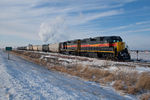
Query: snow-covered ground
pixel 23 80
pixel 143 56
pixel 132 66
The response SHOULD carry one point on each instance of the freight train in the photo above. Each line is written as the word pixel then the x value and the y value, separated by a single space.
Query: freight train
pixel 107 47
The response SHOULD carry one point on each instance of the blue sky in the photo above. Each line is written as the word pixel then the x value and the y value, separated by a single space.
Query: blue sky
pixel 24 22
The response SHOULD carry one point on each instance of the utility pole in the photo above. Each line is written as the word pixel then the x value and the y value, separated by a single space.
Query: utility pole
pixel 8 55
pixel 137 54
pixel 8 49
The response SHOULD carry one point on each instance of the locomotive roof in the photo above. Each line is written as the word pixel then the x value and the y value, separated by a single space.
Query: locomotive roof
pixel 108 37
pixel 104 37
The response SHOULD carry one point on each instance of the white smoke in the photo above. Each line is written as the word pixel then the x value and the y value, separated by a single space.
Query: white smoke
pixel 54 30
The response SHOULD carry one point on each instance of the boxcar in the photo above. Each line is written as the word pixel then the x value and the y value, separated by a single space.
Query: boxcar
pixel 54 47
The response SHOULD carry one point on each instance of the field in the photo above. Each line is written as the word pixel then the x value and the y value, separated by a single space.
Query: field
pixel 143 56
pixel 128 78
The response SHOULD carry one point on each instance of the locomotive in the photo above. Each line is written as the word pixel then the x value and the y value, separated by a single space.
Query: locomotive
pixel 107 47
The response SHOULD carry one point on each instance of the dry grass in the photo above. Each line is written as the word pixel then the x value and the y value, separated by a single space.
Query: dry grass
pixel 119 85
pixel 90 74
pixel 127 76
pixel 125 80
pixel 109 78
pixel 145 96
pixel 94 74
pixel 131 83
pixel 144 81
pixel 132 90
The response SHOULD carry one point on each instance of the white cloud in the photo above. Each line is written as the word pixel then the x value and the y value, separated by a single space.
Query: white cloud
pixel 23 18
pixel 104 14
pixel 142 26
pixel 143 22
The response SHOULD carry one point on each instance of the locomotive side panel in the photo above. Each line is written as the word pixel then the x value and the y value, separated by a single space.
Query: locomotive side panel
pixel 72 45
pixel 95 45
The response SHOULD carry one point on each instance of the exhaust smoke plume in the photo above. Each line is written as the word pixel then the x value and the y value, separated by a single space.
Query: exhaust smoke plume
pixel 54 30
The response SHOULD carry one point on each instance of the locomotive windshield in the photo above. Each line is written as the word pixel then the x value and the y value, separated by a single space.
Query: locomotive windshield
pixel 115 39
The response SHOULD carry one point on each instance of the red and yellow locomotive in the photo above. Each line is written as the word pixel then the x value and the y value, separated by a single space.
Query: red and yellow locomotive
pixel 108 47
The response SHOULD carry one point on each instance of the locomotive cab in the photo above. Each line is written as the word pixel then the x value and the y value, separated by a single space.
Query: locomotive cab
pixel 120 51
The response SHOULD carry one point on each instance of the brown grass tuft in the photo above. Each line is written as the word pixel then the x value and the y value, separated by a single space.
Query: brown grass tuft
pixel 119 85
pixel 94 74
pixel 127 77
pixel 144 81
pixel 132 90
pixel 109 78
pixel 145 96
